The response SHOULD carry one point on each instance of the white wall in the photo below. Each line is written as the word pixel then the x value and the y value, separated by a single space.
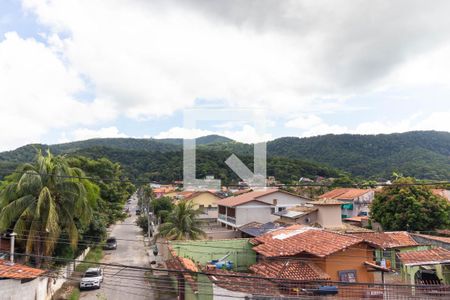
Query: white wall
pixel 283 199
pixel 12 289
pixel 253 211
pixel 366 199
pixel 329 216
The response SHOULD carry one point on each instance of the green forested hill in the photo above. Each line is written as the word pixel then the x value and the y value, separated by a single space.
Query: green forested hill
pixel 422 154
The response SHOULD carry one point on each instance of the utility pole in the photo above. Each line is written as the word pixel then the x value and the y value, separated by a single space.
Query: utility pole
pixel 11 255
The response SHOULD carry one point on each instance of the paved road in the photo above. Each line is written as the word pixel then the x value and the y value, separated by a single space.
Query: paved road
pixel 122 283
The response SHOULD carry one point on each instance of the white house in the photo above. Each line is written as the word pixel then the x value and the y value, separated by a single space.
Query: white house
pixel 256 206
pixel 356 201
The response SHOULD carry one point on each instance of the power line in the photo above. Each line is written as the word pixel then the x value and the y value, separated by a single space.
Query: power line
pixel 331 185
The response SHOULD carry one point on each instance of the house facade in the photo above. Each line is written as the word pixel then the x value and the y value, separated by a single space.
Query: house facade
pixel 256 206
pixel 324 255
pixel 430 266
pixel 356 202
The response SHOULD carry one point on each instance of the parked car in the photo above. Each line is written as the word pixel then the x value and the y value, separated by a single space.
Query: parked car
pixel 92 278
pixel 110 244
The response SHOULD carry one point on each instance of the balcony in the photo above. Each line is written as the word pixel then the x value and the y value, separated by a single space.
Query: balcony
pixel 228 219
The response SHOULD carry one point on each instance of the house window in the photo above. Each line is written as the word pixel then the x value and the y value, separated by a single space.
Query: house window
pixel 272 210
pixel 347 276
pixel 275 201
pixel 281 208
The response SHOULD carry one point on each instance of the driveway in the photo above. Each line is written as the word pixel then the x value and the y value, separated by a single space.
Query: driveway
pixel 123 283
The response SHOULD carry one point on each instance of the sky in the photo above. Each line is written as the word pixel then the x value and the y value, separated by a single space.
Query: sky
pixel 78 69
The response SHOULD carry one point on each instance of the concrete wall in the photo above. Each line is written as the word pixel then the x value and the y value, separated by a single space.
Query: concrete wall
pixel 283 199
pixel 329 216
pixel 12 289
pixel 352 258
pixel 206 199
pixel 426 241
pixel 41 288
pixel 254 212
pixel 203 251
pixel 358 207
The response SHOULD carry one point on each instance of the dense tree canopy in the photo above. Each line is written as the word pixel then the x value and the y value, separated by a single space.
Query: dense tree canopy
pixel 410 207
pixel 57 199
pixel 43 200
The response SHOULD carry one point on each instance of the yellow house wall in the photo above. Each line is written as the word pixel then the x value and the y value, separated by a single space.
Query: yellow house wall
pixel 205 199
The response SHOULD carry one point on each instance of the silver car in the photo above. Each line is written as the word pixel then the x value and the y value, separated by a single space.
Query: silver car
pixel 92 278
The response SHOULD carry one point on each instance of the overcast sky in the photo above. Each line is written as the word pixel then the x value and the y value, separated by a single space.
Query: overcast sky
pixel 77 69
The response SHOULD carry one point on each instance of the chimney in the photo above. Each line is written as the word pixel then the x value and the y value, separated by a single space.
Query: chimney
pixel 11 255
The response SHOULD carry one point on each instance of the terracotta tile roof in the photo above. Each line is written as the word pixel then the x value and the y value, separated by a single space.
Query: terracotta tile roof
pixel 386 240
pixel 243 282
pixel 195 194
pixel 326 201
pixel 344 193
pixel 431 256
pixel 245 198
pixel 356 219
pixel 18 271
pixel 297 239
pixel 349 228
pixel 434 238
pixel 291 270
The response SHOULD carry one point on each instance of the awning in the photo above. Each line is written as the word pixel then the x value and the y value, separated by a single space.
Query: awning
pixel 348 206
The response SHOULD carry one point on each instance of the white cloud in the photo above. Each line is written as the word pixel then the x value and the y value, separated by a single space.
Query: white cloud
pixel 304 122
pixel 153 58
pixel 37 93
pixel 313 125
pixel 247 134
pixel 106 132
pixel 185 133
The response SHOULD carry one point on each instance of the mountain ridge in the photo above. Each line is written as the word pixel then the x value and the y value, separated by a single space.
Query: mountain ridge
pixel 422 154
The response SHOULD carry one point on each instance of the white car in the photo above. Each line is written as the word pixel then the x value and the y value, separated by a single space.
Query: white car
pixel 92 278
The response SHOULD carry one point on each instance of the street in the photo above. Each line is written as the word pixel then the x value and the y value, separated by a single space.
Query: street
pixel 124 283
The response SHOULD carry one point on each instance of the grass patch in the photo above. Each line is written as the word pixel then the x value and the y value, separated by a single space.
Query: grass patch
pixel 75 295
pixel 94 256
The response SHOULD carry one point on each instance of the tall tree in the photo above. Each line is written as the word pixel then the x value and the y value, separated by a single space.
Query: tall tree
pixel 410 207
pixel 182 223
pixel 44 199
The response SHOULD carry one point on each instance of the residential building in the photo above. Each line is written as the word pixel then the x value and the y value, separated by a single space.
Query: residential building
pixel 442 193
pixel 430 266
pixel 389 244
pixel 356 202
pixel 325 254
pixel 20 282
pixel 255 229
pixel 205 201
pixel 256 206
pixel 438 241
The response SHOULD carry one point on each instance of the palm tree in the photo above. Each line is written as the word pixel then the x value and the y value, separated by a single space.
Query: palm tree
pixel 182 223
pixel 44 199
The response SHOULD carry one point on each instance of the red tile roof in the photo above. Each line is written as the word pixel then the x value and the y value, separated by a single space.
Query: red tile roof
pixel 291 270
pixel 386 240
pixel 243 282
pixel 195 194
pixel 18 271
pixel 297 239
pixel 435 238
pixel 245 198
pixel 344 193
pixel 326 201
pixel 432 256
